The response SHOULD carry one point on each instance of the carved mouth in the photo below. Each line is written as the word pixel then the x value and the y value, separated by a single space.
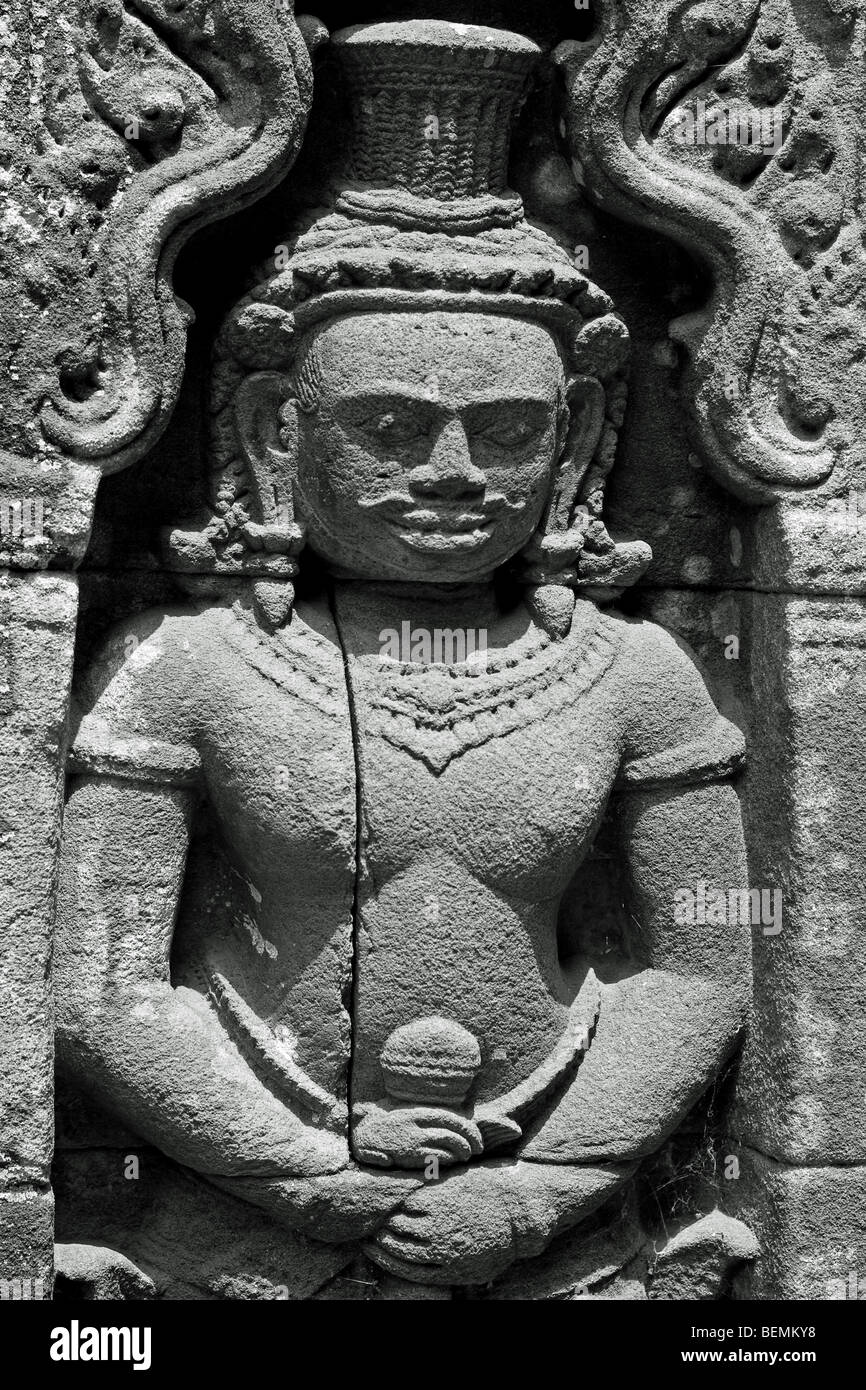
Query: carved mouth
pixel 445 540
pixel 444 519
pixel 443 528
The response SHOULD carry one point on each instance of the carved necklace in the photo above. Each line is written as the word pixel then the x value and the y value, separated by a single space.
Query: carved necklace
pixel 436 712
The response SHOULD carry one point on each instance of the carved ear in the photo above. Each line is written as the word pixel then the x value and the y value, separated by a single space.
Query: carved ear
pixel 264 417
pixel 585 397
pixel 551 557
pixel 260 412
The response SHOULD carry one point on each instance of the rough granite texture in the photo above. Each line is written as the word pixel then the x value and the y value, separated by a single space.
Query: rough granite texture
pixel 439 585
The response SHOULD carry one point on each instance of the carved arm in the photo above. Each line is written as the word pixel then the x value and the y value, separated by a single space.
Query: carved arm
pixel 666 1030
pixel 154 1054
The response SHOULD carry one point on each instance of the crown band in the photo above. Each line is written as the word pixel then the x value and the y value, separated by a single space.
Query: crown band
pixel 400 208
pixel 560 317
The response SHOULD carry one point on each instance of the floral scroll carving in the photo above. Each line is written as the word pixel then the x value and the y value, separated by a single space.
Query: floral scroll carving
pixel 141 123
pixel 773 358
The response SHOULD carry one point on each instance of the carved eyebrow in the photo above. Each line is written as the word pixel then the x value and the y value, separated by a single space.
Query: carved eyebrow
pixel 382 391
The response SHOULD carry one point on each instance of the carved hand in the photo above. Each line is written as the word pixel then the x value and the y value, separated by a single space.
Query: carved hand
pixel 335 1207
pixel 473 1224
pixel 409 1136
pixel 457 1231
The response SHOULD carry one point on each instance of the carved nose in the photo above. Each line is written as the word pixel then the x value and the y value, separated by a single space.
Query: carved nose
pixel 449 471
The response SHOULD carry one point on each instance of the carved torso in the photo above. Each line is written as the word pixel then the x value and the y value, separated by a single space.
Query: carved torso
pixel 480 792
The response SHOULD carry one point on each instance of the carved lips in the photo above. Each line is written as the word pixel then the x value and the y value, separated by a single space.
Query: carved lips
pixel 451 526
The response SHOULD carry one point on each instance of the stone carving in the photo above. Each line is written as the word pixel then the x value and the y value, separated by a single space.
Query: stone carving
pixel 165 117
pixel 731 127
pixel 308 941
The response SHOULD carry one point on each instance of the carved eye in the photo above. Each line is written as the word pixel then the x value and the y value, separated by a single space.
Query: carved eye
pixel 393 427
pixel 525 429
pixel 511 433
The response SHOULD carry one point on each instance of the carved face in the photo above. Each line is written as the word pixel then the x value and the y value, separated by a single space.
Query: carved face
pixel 430 448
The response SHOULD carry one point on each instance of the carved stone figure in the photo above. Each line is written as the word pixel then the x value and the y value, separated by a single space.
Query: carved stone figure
pixel 310 945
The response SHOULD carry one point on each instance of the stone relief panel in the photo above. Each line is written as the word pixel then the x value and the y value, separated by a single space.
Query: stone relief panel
pixel 403 905
pixel 128 127
pixel 720 125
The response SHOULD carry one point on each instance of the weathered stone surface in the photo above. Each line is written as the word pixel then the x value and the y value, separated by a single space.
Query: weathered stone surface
pixel 26 1242
pixel 801 1088
pixel 172 1236
pixel 94 1272
pixel 658 100
pixel 701 1260
pixel 810 1226
pixel 37 631
pixel 406 925
pixel 788 669
pixel 119 129
pixel 370 417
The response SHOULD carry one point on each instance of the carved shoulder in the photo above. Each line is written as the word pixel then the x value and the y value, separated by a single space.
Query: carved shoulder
pixel 136 705
pixel 673 731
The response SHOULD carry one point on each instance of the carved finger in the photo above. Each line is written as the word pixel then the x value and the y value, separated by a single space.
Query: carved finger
pixel 402 1223
pixel 414 1272
pixel 402 1248
pixel 376 1157
pixel 457 1124
pixel 454 1146
pixel 416 1208
pixel 444 1157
